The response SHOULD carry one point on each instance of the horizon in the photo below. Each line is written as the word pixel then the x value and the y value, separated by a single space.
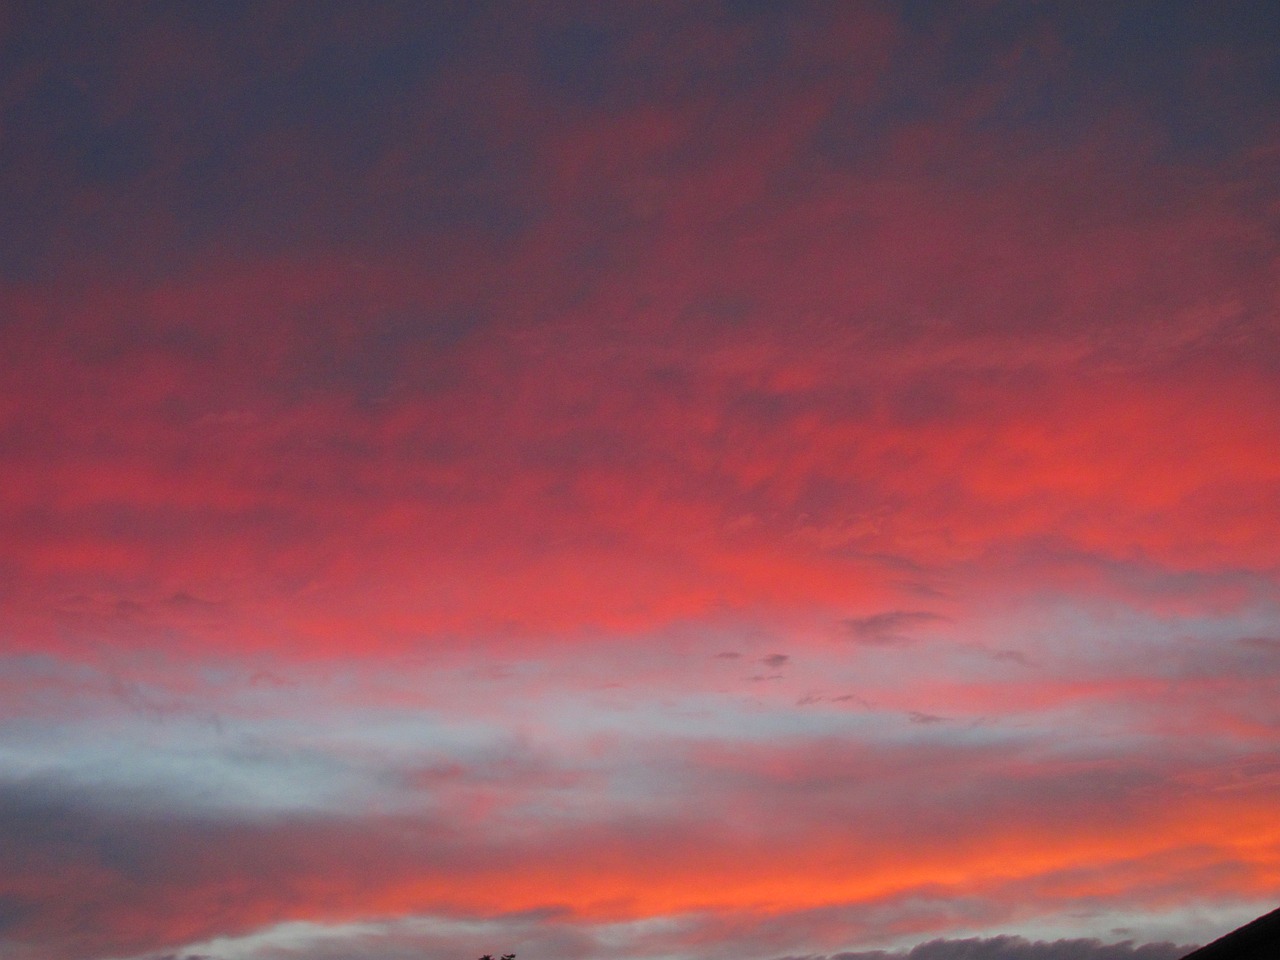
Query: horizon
pixel 709 480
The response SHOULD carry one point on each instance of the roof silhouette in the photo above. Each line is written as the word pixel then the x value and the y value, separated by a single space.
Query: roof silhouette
pixel 1258 940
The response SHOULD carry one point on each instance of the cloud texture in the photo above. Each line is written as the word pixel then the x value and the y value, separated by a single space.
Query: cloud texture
pixel 640 481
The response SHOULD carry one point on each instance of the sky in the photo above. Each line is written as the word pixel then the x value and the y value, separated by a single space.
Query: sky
pixel 707 480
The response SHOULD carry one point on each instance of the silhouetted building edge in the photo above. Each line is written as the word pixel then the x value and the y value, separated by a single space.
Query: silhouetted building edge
pixel 1258 940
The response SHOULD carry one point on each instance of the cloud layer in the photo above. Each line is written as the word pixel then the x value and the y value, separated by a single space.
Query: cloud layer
pixel 664 481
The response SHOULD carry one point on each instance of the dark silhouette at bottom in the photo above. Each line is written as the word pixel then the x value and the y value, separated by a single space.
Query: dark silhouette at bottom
pixel 1259 940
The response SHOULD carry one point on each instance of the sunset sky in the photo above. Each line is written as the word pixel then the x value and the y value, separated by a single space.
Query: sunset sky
pixel 638 480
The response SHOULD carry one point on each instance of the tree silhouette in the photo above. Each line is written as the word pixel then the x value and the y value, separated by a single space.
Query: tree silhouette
pixel 505 956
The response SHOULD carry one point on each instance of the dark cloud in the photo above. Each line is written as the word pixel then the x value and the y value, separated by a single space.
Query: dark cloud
pixel 775 661
pixel 1269 645
pixel 1013 656
pixel 889 628
pixel 269 128
pixel 13 910
pixel 925 719
pixel 1019 948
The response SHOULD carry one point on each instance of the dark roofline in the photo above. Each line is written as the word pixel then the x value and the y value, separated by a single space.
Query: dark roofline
pixel 1258 940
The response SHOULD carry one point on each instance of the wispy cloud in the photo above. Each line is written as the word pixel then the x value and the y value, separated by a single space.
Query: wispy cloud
pixel 890 628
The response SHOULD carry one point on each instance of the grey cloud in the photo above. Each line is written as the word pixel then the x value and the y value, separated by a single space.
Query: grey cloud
pixel 888 628
pixel 149 862
pixel 1263 644
pixel 1019 948
pixel 189 601
pixel 13 910
pixel 915 716
pixel 1013 656
pixel 775 661
pixel 809 699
